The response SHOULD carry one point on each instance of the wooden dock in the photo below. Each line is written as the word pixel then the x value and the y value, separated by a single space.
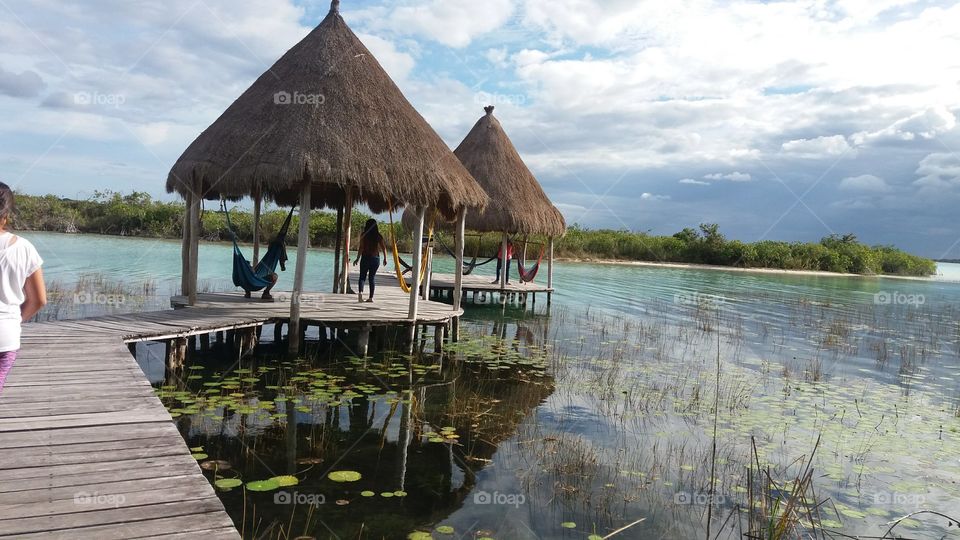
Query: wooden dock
pixel 479 289
pixel 87 450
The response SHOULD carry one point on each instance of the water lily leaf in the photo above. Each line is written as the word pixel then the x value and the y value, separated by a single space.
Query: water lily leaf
pixel 367 494
pixel 344 476
pixel 228 483
pixel 263 485
pixel 199 456
pixel 286 481
pixel 568 525
pixel 445 529
pixel 418 535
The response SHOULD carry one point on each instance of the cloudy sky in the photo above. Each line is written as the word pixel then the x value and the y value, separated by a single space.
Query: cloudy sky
pixel 777 120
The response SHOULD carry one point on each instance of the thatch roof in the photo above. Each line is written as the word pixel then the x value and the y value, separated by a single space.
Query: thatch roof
pixel 328 112
pixel 517 202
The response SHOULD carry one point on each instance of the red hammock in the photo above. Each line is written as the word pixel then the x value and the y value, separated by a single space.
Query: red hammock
pixel 527 276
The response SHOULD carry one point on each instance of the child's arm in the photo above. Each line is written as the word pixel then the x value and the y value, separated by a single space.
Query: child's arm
pixel 383 248
pixel 35 292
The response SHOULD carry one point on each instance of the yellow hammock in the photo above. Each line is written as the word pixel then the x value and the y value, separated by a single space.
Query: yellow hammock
pixel 404 286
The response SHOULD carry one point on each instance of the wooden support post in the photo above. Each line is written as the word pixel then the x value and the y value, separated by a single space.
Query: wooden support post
pixel 504 262
pixel 550 271
pixel 438 338
pixel 455 329
pixel 415 273
pixel 427 281
pixel 347 232
pixel 278 331
pixel 220 338
pixel 247 340
pixel 457 292
pixel 195 239
pixel 185 248
pixel 192 343
pixel 336 254
pixel 257 201
pixel 204 342
pixel 303 239
pixel 176 353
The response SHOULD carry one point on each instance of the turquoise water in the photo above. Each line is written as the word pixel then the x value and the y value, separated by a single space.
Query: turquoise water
pixel 601 415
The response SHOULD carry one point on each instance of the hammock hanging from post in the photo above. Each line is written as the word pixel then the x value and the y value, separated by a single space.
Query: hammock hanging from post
pixel 526 275
pixel 397 263
pixel 252 279
pixel 468 267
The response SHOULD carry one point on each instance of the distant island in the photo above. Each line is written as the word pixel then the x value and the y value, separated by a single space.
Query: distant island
pixel 138 215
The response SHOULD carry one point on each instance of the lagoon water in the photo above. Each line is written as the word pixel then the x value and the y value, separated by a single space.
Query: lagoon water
pixel 582 419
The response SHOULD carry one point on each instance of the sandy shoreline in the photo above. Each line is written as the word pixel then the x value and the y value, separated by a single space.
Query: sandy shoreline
pixel 775 271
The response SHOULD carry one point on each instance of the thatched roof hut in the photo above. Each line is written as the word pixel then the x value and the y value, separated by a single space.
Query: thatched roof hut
pixel 517 202
pixel 325 126
pixel 327 112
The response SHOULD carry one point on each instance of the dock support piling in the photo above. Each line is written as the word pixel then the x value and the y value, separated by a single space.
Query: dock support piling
pixel 303 239
pixel 176 353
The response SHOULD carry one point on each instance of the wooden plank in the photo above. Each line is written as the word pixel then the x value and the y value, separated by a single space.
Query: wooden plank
pixel 92 434
pixel 123 522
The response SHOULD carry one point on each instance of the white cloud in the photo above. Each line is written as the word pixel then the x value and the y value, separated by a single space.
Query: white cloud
pixel 732 177
pixel 925 124
pixel 692 182
pixel 651 197
pixel 864 182
pixel 821 147
pixel 454 23
pixel 397 64
pixel 939 171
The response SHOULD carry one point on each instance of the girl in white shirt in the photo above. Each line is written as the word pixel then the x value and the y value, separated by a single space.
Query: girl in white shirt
pixel 22 291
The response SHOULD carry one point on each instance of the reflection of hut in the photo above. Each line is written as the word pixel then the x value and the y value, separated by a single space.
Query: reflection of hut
pixel 518 205
pixel 325 126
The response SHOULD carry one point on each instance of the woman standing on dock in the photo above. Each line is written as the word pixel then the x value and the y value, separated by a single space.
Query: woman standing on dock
pixel 22 291
pixel 368 255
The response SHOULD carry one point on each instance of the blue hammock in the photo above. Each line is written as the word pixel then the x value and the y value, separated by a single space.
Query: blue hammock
pixel 252 279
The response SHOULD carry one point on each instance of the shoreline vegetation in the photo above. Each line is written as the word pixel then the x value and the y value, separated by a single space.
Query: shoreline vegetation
pixel 138 215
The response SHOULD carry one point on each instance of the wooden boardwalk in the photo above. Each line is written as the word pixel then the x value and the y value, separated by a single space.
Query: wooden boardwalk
pixel 479 288
pixel 87 450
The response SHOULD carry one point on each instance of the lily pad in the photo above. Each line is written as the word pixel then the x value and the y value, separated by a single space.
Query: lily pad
pixel 445 529
pixel 263 485
pixel 286 481
pixel 367 494
pixel 228 483
pixel 568 525
pixel 344 476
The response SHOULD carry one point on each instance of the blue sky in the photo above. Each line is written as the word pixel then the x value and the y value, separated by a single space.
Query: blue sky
pixel 781 120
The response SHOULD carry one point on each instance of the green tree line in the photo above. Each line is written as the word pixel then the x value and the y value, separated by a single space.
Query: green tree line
pixel 137 214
